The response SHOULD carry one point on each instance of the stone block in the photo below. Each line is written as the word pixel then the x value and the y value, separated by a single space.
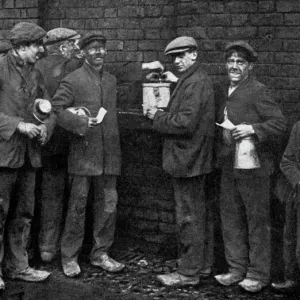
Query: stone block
pixel 75 24
pixel 110 13
pixel 10 13
pixel 292 19
pixel 195 7
pixel 168 10
pixel 243 33
pixel 54 13
pixel 88 13
pixel 167 227
pixel 196 32
pixel 290 70
pixel 154 45
pixel 71 13
pixel 216 7
pixel 161 22
pixel 91 24
pixel 215 32
pixel 132 23
pixel 288 6
pixel 130 45
pixel 129 34
pixel 72 3
pixel 267 44
pixel 115 45
pixel 152 34
pixel 241 6
pixel 31 12
pixel 266 19
pixel 150 56
pixel 26 3
pixel 129 56
pixel 8 3
pixel 287 58
pixel 111 23
pixel 288 32
pixel 131 11
pixel 266 6
pixel 218 20
pixel 152 11
pixel 239 19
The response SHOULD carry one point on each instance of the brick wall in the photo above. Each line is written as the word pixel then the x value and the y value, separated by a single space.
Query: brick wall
pixel 138 30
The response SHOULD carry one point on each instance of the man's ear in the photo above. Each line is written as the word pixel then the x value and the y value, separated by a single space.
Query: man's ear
pixel 194 55
pixel 250 66
pixel 62 49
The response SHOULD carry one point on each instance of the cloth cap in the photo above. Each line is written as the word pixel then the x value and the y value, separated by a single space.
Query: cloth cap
pixel 90 37
pixel 181 44
pixel 60 34
pixel 242 44
pixel 26 32
pixel 41 109
pixel 5 46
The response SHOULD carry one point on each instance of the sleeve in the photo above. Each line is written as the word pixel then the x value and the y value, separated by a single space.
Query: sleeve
pixel 289 164
pixel 64 98
pixel 184 121
pixel 273 123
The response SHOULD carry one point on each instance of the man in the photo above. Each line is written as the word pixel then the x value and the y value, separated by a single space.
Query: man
pixel 5 46
pixel 291 244
pixel 94 155
pixel 188 127
pixel 244 200
pixel 20 145
pixel 62 47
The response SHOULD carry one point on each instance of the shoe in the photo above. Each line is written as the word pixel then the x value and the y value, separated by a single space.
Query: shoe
pixel 71 268
pixel 47 256
pixel 108 264
pixel 2 284
pixel 176 279
pixel 251 285
pixel 228 279
pixel 30 274
pixel 288 286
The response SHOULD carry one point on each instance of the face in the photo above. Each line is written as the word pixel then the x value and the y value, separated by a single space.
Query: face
pixel 95 53
pixel 184 60
pixel 238 68
pixel 31 53
pixel 70 48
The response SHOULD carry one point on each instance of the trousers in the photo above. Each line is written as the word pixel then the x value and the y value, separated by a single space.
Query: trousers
pixel 20 182
pixel 245 218
pixel 195 225
pixel 104 216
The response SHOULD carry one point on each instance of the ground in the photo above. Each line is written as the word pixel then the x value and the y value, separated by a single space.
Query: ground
pixel 137 281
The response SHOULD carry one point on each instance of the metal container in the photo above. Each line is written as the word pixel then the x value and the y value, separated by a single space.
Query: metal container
pixel 246 155
pixel 155 95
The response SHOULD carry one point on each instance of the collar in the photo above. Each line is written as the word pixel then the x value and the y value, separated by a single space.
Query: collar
pixel 97 71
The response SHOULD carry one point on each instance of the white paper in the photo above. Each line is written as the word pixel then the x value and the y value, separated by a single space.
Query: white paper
pixel 101 113
pixel 226 125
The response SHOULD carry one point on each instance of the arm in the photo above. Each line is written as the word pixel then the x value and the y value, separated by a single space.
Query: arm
pixel 290 160
pixel 184 121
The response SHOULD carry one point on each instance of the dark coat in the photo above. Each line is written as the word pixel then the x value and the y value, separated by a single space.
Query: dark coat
pixel 290 163
pixel 252 103
pixel 20 85
pixel 54 68
pixel 92 151
pixel 188 125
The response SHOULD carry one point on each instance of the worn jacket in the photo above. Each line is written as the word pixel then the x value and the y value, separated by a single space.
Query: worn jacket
pixel 252 103
pixel 290 163
pixel 92 151
pixel 54 68
pixel 20 85
pixel 188 125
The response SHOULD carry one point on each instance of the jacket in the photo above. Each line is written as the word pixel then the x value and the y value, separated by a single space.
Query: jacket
pixel 92 151
pixel 188 125
pixel 252 103
pixel 20 85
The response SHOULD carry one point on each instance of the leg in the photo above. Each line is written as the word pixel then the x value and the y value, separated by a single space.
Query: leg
pixel 19 226
pixel 73 233
pixel 233 220
pixel 192 222
pixel 7 181
pixel 255 193
pixel 52 203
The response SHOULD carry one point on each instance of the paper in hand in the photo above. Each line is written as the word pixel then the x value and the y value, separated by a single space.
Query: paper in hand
pixel 101 113
pixel 226 125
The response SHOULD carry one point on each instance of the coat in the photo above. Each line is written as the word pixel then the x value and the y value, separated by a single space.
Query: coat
pixel 54 68
pixel 92 151
pixel 20 85
pixel 188 125
pixel 290 162
pixel 252 103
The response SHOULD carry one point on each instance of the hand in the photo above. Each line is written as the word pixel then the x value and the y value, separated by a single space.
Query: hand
pixel 241 131
pixel 153 65
pixel 29 129
pixel 169 76
pixel 43 134
pixel 92 122
pixel 151 112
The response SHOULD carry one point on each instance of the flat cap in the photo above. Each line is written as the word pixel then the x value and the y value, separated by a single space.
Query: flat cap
pixel 181 44
pixel 242 44
pixel 60 34
pixel 5 46
pixel 90 37
pixel 26 32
